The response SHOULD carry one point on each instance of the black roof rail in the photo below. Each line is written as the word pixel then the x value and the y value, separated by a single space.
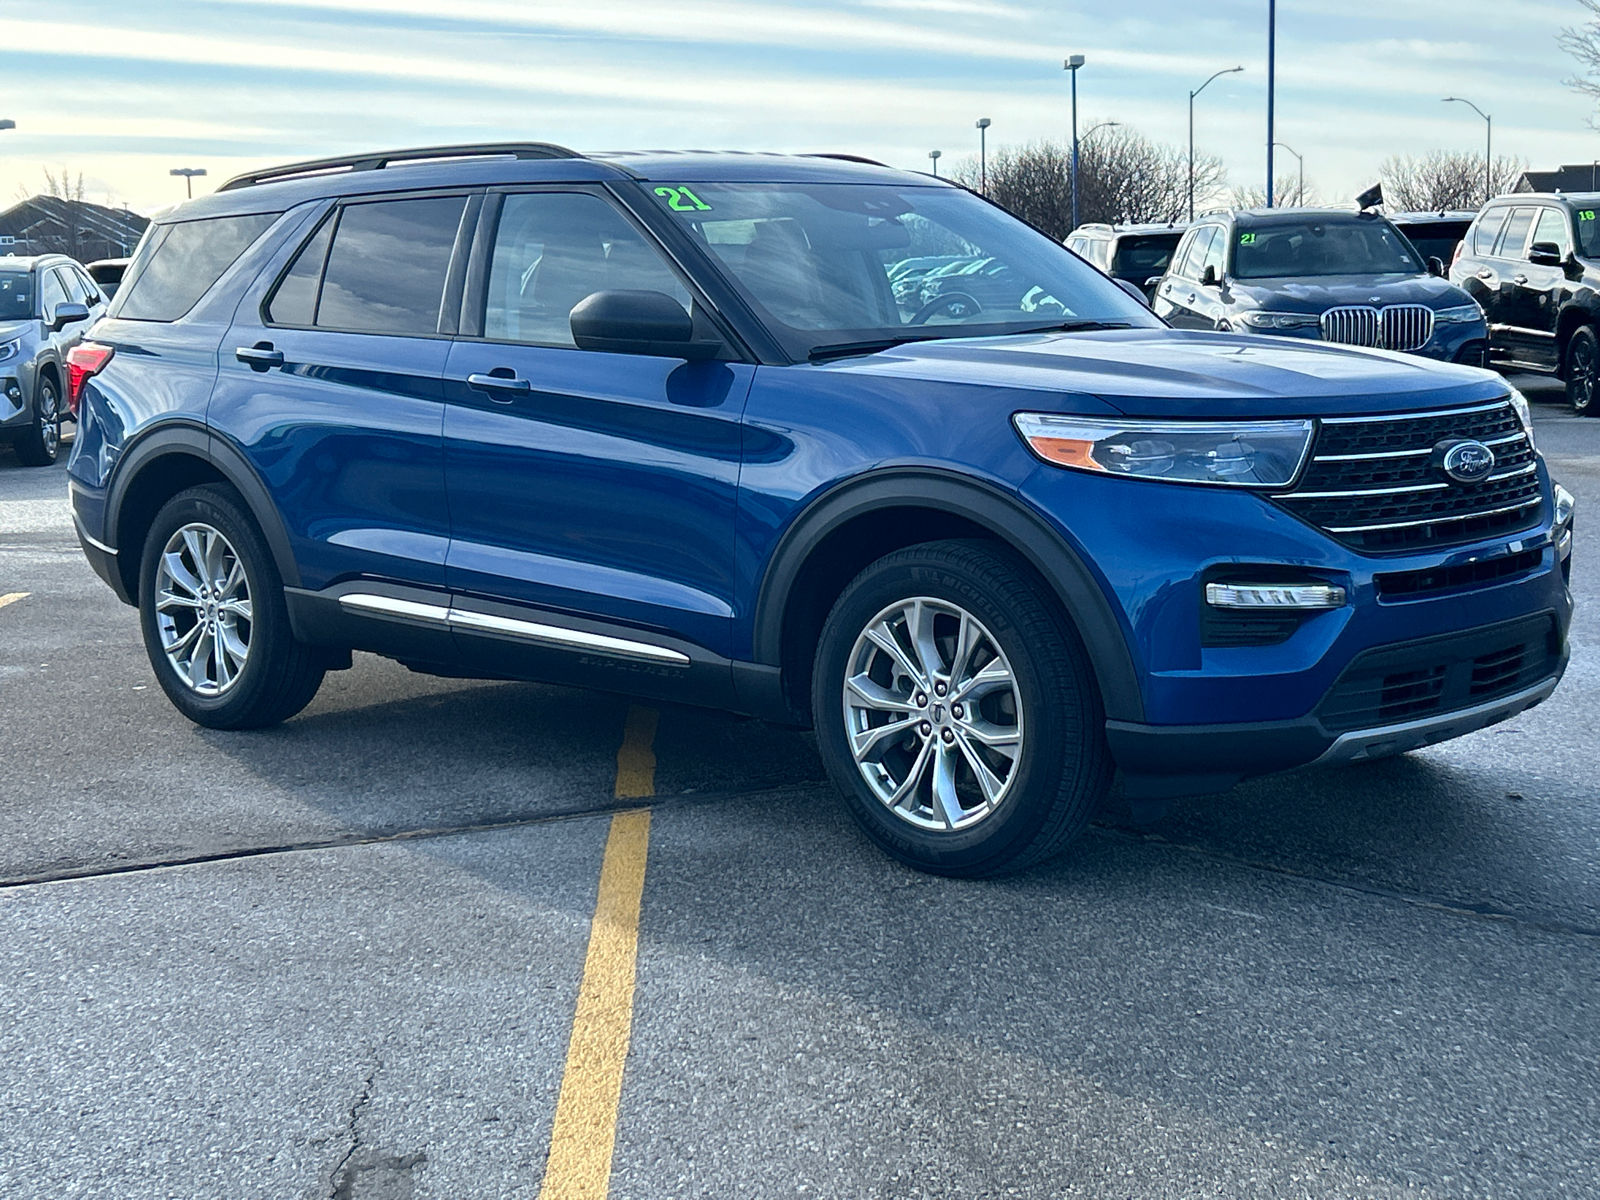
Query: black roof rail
pixel 376 161
pixel 856 158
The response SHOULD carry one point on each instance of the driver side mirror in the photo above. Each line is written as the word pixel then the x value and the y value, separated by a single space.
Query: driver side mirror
pixel 632 322
pixel 1436 267
pixel 1545 254
pixel 1209 277
pixel 66 314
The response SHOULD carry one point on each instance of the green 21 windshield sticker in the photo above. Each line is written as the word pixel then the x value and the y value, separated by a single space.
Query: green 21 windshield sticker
pixel 1247 239
pixel 681 199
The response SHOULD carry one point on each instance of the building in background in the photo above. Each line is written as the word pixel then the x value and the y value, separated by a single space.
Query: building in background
pixel 1580 178
pixel 84 231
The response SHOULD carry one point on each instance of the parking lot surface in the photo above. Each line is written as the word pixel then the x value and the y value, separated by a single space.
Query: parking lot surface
pixel 343 957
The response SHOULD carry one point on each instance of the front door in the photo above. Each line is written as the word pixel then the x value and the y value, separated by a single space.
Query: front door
pixel 1541 288
pixel 596 488
pixel 1178 297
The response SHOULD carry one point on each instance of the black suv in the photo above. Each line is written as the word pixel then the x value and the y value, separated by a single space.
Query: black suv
pixel 1330 274
pixel 1533 263
pixel 1136 254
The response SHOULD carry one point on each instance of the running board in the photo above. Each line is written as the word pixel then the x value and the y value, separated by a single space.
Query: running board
pixel 468 621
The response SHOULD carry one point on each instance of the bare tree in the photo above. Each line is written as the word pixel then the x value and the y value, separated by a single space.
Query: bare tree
pixel 1122 177
pixel 63 185
pixel 1444 179
pixel 1583 43
pixel 1285 192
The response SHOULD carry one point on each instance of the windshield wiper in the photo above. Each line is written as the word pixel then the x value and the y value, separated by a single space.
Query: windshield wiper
pixel 1083 326
pixel 847 349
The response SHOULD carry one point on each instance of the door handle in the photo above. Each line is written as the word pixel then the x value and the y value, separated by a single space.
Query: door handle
pixel 1193 297
pixel 259 357
pixel 1485 273
pixel 501 379
pixel 1519 279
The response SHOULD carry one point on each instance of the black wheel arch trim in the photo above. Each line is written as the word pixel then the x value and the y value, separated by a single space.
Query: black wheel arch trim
pixel 191 438
pixel 1007 517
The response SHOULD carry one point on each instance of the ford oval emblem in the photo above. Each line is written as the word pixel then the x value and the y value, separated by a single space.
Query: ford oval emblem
pixel 1465 461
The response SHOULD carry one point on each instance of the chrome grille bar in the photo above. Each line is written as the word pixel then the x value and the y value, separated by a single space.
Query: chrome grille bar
pixel 1435 520
pixel 1351 325
pixel 1406 326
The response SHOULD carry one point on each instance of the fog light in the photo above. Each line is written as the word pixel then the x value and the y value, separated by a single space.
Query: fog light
pixel 1274 595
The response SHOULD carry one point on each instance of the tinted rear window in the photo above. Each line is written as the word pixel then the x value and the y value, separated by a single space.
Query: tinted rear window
pixel 1144 256
pixel 386 270
pixel 181 263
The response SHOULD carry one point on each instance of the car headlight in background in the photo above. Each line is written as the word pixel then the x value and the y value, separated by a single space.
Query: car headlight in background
pixel 1235 454
pixel 1280 320
pixel 9 350
pixel 1462 315
pixel 1524 414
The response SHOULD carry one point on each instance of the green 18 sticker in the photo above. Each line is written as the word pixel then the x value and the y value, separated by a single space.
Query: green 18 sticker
pixel 681 199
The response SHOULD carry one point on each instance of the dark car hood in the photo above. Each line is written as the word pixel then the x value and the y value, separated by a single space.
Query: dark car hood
pixel 1325 291
pixel 1183 373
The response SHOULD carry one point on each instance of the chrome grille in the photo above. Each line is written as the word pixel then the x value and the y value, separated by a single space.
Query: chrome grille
pixel 1371 484
pixel 1397 327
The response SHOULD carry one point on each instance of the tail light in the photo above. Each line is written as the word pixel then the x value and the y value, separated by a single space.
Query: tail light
pixel 84 361
pixel 1456 257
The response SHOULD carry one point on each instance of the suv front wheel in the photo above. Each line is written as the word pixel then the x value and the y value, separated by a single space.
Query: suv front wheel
pixel 215 624
pixel 956 710
pixel 40 443
pixel 1583 371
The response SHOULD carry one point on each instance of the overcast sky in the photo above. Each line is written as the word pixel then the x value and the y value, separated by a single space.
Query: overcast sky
pixel 122 91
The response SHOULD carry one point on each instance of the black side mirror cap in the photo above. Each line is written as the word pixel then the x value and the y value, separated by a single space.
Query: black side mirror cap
pixel 66 314
pixel 1436 267
pixel 630 322
pixel 1209 278
pixel 1545 254
pixel 1135 291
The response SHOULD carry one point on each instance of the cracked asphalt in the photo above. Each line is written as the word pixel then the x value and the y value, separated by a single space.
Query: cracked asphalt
pixel 341 958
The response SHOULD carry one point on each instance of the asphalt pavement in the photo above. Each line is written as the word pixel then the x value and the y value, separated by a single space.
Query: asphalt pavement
pixel 341 958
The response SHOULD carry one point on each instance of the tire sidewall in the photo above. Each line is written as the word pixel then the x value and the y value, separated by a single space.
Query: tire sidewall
pixel 269 620
pixel 1584 335
pixel 1018 819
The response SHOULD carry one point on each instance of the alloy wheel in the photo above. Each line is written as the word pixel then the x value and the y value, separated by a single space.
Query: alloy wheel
pixel 932 714
pixel 1582 373
pixel 203 609
pixel 49 420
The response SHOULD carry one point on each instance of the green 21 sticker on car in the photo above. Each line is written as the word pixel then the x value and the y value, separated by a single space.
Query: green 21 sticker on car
pixel 1247 239
pixel 681 199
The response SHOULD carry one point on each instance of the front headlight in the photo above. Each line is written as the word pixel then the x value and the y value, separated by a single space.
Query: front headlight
pixel 1264 454
pixel 1280 320
pixel 1461 315
pixel 1524 414
pixel 10 350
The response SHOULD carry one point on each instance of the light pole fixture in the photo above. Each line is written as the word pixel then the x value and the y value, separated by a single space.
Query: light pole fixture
pixel 1488 145
pixel 935 155
pixel 188 174
pixel 1300 193
pixel 983 154
pixel 1192 95
pixel 1071 65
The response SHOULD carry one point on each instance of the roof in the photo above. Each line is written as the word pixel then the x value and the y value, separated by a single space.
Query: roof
pixel 1585 198
pixel 1148 227
pixel 1581 177
pixel 1422 218
pixel 277 188
pixel 51 216
pixel 26 262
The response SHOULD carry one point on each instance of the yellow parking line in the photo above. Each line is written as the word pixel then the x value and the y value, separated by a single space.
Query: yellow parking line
pixel 585 1129
pixel 636 758
pixel 13 597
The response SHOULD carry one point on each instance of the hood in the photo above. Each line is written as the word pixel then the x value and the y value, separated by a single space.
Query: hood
pixel 1317 295
pixel 1183 373
pixel 13 329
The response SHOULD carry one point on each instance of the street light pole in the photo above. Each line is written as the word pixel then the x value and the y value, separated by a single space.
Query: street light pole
pixel 1072 64
pixel 7 123
pixel 1192 95
pixel 1272 80
pixel 1488 145
pixel 1300 195
pixel 188 174
pixel 934 154
pixel 983 154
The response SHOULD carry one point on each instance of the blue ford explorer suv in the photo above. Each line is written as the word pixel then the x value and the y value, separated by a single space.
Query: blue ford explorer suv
pixel 657 423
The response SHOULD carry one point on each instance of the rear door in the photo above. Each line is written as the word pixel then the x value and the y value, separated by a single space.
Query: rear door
pixel 331 385
pixel 597 488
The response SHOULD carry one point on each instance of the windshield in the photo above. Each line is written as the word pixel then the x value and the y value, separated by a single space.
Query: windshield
pixel 16 297
pixel 833 264
pixel 1323 246
pixel 1138 258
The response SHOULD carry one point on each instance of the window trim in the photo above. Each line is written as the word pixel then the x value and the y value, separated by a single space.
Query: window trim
pixel 474 298
pixel 1500 248
pixel 1561 215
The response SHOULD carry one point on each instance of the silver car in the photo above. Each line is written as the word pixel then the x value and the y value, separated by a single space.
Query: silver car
pixel 46 304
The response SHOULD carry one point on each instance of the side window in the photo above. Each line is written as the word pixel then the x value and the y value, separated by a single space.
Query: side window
pixel 1079 246
pixel 1553 227
pixel 1180 256
pixel 387 266
pixel 87 285
pixel 1099 252
pixel 51 293
pixel 1217 254
pixel 180 264
pixel 553 249
pixel 294 300
pixel 1515 236
pixel 73 285
pixel 1197 251
pixel 1487 230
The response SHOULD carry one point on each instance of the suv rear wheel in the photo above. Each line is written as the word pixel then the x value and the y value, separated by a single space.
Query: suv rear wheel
pixel 956 710
pixel 1583 371
pixel 213 615
pixel 40 443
